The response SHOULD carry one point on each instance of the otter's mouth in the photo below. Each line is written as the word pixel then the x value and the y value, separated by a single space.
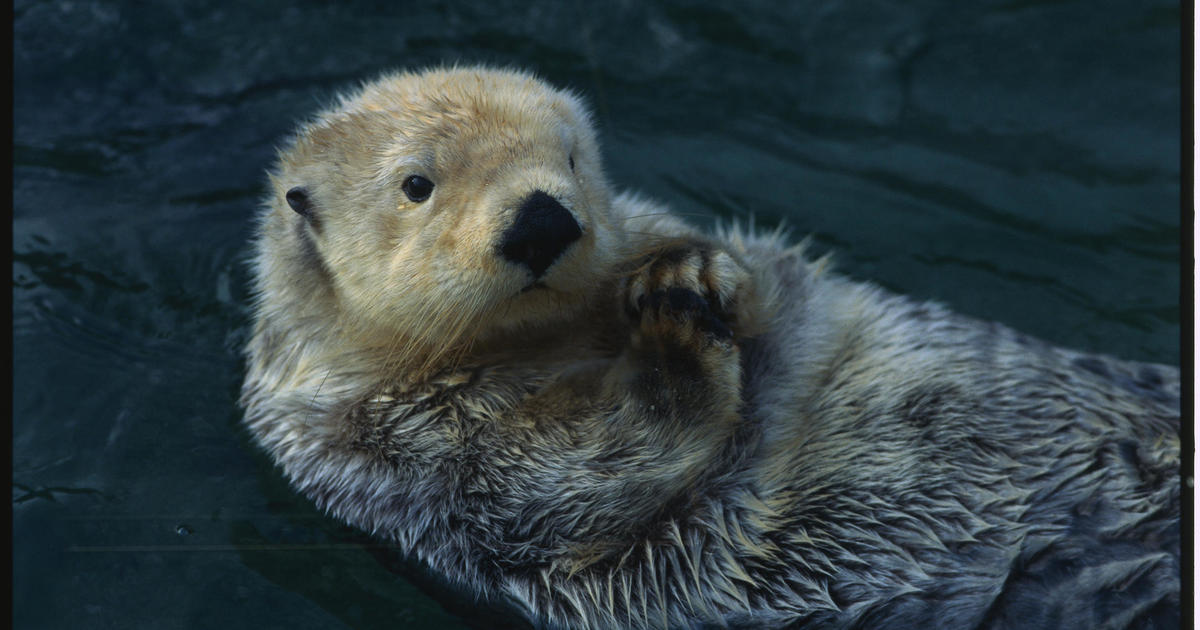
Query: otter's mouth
pixel 537 284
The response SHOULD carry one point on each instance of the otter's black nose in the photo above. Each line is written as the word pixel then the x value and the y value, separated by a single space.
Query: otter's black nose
pixel 542 231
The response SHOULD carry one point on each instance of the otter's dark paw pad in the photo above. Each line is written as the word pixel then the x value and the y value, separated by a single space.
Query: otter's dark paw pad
pixel 682 313
pixel 687 295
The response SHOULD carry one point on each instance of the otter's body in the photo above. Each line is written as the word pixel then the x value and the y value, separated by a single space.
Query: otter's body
pixel 572 401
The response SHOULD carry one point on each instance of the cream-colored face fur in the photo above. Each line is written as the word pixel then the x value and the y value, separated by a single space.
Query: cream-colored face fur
pixel 487 140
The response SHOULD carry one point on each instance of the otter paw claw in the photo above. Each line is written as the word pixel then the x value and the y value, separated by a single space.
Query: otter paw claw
pixel 685 306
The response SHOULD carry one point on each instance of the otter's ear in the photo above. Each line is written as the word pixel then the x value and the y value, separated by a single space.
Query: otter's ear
pixel 304 206
pixel 298 199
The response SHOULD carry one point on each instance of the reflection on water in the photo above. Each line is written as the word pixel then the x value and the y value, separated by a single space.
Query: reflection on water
pixel 1016 160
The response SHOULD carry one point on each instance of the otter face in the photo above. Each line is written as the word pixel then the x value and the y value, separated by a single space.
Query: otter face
pixel 473 200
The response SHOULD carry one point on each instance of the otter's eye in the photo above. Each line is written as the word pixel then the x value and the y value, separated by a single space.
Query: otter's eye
pixel 571 162
pixel 417 188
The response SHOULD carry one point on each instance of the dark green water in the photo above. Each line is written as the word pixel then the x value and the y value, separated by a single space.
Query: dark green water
pixel 1018 160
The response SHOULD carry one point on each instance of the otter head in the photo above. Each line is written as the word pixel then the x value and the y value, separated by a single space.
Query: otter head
pixel 448 206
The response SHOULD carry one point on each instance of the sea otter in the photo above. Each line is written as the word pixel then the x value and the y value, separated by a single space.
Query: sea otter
pixel 568 399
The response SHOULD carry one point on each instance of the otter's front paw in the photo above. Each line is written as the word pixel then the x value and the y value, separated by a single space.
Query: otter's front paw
pixel 687 293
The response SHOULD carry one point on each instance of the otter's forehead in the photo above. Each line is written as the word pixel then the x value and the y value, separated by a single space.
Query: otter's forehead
pixel 474 137
pixel 464 99
pixel 489 120
pixel 464 116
